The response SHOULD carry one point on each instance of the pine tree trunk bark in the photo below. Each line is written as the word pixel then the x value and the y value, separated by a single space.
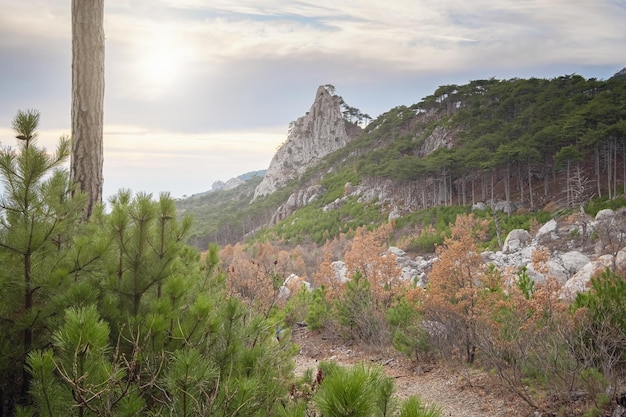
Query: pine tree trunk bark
pixel 88 99
pixel 596 154
pixel 530 187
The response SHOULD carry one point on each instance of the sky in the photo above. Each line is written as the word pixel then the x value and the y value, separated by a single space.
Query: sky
pixel 198 91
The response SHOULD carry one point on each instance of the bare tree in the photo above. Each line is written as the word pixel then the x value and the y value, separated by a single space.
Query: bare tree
pixel 88 98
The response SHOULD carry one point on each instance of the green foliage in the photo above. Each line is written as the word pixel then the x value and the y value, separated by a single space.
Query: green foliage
pixel 594 206
pixel 601 329
pixel 413 407
pixel 138 324
pixel 408 334
pixel 355 309
pixel 227 216
pixel 296 310
pixel 335 184
pixel 190 381
pixel 197 350
pixel 48 393
pixel 85 363
pixel 319 310
pixel 604 302
pixel 40 232
pixel 354 392
pixel 508 223
pixel 597 385
pixel 435 222
pixel 525 283
pixel 311 223
pixel 361 391
pixel 427 241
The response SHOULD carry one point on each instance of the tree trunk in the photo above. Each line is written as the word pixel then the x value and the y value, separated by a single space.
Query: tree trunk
pixel 568 186
pixel 28 331
pixel 507 190
pixel 530 187
pixel 596 154
pixel 614 168
pixel 88 98
pixel 520 181
pixel 474 188
pixel 623 168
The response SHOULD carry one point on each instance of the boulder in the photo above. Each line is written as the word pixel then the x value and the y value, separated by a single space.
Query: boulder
pixel 573 261
pixel 549 229
pixel 341 271
pixel 604 215
pixel 579 282
pixel 516 240
pixel 396 251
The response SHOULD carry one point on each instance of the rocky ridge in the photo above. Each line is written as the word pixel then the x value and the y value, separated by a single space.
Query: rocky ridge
pixel 320 132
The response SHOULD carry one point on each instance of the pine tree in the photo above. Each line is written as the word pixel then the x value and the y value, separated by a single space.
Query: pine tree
pixel 164 336
pixel 38 222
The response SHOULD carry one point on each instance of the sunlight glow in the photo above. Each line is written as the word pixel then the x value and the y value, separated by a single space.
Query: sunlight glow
pixel 161 57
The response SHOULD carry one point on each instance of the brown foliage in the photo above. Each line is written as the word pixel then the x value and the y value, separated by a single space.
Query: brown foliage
pixel 256 274
pixel 368 255
pixel 454 285
pixel 364 308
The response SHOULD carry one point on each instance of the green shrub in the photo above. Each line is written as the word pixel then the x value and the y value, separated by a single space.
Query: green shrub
pixel 413 407
pixel 318 314
pixel 358 391
pixel 408 334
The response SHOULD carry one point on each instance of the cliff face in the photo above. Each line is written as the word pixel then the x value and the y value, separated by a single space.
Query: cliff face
pixel 310 138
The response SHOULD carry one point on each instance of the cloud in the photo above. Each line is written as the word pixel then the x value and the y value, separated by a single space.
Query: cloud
pixel 197 80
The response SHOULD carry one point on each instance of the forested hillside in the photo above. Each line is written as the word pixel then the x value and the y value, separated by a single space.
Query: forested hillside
pixel 528 142
pixel 523 132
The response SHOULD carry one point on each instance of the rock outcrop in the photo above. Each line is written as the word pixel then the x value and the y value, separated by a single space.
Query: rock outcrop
pixel 228 185
pixel 310 138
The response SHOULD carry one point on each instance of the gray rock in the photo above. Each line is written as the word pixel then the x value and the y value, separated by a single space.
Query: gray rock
pixel 537 277
pixel 479 206
pixel 619 411
pixel 516 240
pixel 578 283
pixel 606 214
pixel 341 271
pixel 440 138
pixel 396 251
pixel 394 214
pixel 557 271
pixel 310 138
pixel 574 261
pixel 548 229
pixel 507 207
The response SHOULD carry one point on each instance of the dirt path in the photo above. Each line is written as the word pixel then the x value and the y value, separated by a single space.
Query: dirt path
pixel 467 393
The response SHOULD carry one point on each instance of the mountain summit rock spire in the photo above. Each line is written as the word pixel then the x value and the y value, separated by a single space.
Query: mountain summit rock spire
pixel 310 138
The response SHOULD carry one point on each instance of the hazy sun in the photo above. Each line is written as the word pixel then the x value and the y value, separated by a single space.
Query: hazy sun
pixel 160 61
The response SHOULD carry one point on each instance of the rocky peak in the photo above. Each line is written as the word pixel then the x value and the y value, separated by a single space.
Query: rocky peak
pixel 310 138
pixel 228 185
pixel 620 74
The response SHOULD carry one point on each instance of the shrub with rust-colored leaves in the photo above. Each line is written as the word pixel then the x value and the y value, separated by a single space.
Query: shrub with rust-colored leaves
pixel 454 286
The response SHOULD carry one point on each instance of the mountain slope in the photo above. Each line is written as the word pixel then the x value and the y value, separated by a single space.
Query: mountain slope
pixel 526 142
